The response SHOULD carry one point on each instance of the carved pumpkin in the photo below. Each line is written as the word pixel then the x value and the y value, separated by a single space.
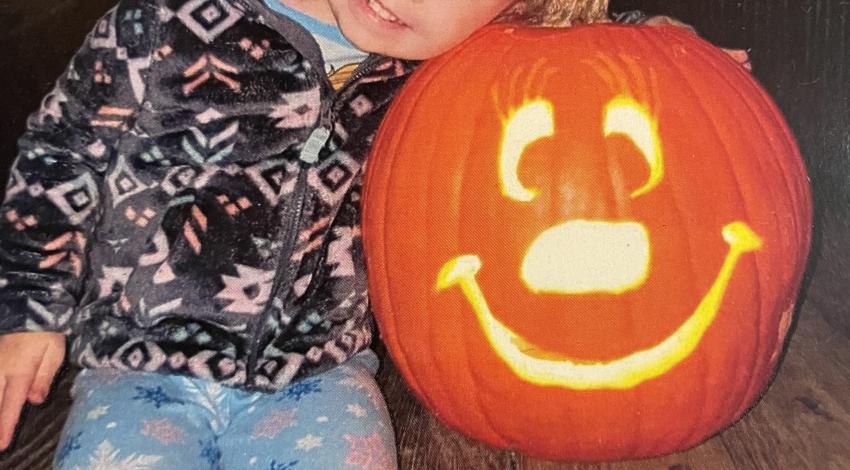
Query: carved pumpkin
pixel 585 244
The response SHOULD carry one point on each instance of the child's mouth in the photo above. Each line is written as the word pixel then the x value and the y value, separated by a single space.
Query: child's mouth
pixel 382 13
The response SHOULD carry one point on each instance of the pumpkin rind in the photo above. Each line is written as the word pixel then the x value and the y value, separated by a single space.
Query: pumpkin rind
pixel 433 193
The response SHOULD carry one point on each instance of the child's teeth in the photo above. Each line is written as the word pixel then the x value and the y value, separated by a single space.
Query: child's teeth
pixel 381 11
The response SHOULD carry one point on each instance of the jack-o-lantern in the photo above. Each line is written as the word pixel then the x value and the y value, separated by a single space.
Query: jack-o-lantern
pixel 585 244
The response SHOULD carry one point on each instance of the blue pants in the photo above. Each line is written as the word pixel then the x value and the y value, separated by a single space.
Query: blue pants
pixel 136 420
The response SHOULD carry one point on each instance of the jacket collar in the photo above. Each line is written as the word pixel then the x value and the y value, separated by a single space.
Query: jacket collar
pixel 291 30
pixel 384 67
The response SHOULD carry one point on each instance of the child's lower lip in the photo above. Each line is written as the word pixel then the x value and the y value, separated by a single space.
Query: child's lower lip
pixel 362 7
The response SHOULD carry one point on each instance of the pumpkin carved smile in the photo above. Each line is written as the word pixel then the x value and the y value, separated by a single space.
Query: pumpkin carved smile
pixel 539 367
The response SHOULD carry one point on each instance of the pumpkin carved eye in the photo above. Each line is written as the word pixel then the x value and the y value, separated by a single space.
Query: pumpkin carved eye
pixel 629 118
pixel 531 122
pixel 534 120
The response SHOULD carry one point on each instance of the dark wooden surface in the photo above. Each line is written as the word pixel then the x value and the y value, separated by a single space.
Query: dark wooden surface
pixel 801 53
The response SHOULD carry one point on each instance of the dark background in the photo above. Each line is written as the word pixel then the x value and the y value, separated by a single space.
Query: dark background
pixel 801 54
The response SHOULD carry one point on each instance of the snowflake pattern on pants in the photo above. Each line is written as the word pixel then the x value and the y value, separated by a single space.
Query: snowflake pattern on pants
pixel 226 427
pixel 155 396
pixel 367 452
pixel 301 389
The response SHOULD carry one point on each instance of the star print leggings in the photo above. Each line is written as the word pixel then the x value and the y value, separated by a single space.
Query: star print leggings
pixel 136 420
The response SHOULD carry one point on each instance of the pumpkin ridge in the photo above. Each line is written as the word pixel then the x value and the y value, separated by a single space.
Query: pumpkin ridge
pixel 707 61
pixel 388 324
pixel 432 165
pixel 757 110
pixel 637 395
pixel 788 141
pixel 705 389
pixel 758 362
pixel 499 438
pixel 392 143
pixel 623 203
pixel 796 193
pixel 433 74
pixel 661 50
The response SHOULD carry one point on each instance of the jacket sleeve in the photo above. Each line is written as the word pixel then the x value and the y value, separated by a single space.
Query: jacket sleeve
pixel 53 198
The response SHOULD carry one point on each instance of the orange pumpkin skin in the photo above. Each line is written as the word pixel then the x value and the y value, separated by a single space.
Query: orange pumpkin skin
pixel 434 191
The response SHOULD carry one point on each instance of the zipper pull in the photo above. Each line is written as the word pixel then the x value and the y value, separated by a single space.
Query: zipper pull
pixel 315 143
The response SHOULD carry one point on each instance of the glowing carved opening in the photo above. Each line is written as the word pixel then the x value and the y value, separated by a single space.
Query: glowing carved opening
pixel 532 121
pixel 542 367
pixel 629 118
pixel 583 256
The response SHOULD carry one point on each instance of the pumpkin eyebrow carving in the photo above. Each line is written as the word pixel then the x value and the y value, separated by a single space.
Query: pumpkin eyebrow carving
pixel 524 124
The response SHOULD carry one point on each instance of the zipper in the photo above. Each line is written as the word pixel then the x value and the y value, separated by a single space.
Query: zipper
pixel 284 276
pixel 362 69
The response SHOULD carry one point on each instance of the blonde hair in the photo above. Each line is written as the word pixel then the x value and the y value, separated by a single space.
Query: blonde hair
pixel 556 12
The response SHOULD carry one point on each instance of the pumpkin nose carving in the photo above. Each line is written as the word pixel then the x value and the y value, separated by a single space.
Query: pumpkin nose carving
pixel 581 257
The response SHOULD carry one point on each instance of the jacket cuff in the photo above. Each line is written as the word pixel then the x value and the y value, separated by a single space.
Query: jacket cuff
pixel 20 313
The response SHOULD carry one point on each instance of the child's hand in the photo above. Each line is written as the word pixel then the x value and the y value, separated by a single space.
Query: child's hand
pixel 741 56
pixel 28 363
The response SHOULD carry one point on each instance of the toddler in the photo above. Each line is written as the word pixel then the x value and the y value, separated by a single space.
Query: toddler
pixel 184 210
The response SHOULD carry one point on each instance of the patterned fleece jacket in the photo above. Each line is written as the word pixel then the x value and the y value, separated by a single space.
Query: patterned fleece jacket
pixel 186 199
